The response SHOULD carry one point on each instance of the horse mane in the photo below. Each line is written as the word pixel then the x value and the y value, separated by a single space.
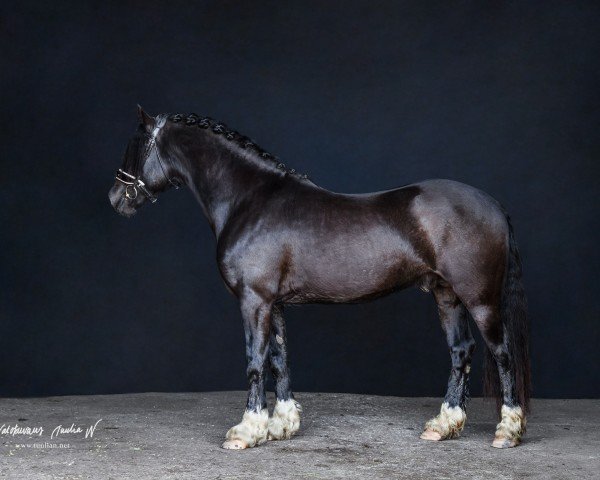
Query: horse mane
pixel 242 141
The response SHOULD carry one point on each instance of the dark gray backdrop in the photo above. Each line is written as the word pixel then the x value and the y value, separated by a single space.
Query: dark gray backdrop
pixel 361 95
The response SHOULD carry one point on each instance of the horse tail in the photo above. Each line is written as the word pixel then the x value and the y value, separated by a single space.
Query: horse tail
pixel 516 332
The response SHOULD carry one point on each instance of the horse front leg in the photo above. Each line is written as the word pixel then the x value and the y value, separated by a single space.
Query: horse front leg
pixel 253 428
pixel 285 420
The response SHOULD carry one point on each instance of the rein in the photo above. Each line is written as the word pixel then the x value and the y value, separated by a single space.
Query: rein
pixel 134 183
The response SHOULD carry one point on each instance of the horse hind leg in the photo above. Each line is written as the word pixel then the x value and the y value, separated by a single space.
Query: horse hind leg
pixel 451 419
pixel 285 420
pixel 499 309
pixel 512 414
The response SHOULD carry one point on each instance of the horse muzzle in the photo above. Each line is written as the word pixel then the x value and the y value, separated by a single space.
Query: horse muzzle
pixel 122 205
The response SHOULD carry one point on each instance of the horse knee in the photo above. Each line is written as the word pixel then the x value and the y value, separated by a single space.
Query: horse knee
pixel 461 354
pixel 253 374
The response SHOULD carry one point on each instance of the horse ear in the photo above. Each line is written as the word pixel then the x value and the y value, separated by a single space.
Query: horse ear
pixel 146 120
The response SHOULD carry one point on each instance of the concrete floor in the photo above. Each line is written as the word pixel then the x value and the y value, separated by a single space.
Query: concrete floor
pixel 157 435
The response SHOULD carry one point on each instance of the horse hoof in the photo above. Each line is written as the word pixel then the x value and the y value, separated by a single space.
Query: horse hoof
pixel 234 445
pixel 431 435
pixel 502 442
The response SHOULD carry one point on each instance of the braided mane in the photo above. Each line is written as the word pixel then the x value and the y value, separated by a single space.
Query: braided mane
pixel 219 128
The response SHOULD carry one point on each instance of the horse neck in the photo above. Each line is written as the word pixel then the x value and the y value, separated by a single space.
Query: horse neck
pixel 223 177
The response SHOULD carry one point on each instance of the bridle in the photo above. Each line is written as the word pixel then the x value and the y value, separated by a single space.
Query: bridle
pixel 133 183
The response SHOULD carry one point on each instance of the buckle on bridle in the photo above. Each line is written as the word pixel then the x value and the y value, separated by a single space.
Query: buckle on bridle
pixel 132 184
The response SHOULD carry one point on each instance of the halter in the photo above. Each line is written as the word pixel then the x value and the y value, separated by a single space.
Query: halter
pixel 133 183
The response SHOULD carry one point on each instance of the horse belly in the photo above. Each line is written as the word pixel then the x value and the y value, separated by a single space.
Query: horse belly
pixel 345 273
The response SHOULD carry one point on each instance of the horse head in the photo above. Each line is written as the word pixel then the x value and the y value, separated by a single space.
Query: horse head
pixel 144 172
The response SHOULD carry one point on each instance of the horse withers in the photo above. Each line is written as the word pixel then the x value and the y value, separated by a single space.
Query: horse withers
pixel 281 240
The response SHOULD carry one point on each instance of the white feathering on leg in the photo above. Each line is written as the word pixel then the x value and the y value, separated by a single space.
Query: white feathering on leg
pixel 511 427
pixel 285 420
pixel 448 423
pixel 251 431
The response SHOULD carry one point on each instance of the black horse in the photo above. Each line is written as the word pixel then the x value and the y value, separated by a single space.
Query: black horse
pixel 281 239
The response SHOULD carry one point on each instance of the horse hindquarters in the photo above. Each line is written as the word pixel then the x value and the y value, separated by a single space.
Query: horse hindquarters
pixel 504 327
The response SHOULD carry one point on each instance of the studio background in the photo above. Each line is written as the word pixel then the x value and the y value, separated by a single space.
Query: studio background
pixel 362 96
